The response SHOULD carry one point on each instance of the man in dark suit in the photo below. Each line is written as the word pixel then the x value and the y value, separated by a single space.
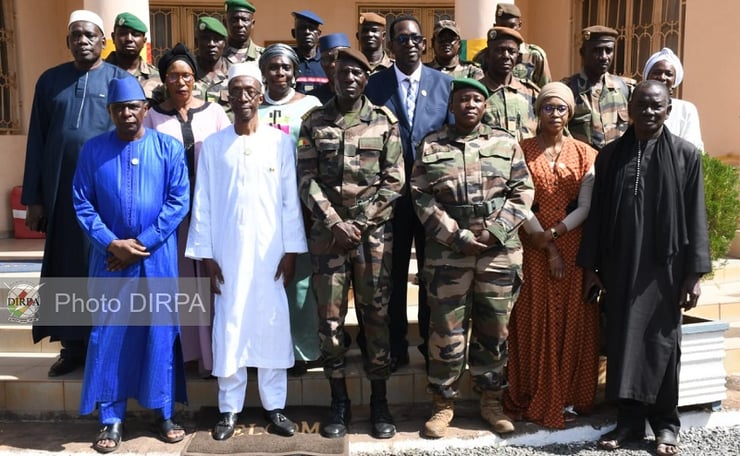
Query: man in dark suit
pixel 418 96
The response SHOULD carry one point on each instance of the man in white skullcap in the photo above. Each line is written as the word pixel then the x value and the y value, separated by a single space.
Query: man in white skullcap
pixel 246 226
pixel 69 107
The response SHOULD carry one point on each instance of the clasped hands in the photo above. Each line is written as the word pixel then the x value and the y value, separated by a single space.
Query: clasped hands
pixel 124 253
pixel 479 242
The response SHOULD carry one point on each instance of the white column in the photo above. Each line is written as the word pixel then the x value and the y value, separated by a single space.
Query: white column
pixel 475 17
pixel 108 10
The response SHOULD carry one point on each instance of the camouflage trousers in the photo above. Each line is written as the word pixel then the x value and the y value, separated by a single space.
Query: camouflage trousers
pixel 470 292
pixel 367 268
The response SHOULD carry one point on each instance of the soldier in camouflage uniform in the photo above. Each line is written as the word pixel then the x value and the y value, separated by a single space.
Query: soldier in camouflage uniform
pixel 213 68
pixel 511 103
pixel 532 61
pixel 129 38
pixel 471 190
pixel 240 23
pixel 446 44
pixel 371 36
pixel 601 113
pixel 351 171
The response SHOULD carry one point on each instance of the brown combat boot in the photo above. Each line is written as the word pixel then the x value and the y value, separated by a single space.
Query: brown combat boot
pixel 444 410
pixel 492 411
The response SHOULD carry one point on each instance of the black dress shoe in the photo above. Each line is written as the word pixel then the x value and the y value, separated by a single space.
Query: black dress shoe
pixel 63 366
pixel 279 423
pixel 399 361
pixel 225 426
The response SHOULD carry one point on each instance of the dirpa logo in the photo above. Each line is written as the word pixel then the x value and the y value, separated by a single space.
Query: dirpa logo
pixel 23 302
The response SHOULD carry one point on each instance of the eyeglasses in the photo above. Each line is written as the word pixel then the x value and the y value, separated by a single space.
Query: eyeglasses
pixel 237 93
pixel 550 109
pixel 403 40
pixel 187 78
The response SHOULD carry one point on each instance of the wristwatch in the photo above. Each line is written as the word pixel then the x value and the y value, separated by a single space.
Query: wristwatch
pixel 554 233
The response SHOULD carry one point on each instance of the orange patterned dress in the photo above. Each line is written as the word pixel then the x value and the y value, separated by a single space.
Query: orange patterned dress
pixel 553 334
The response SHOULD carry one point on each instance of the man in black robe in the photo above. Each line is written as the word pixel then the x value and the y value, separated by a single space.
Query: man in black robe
pixel 645 244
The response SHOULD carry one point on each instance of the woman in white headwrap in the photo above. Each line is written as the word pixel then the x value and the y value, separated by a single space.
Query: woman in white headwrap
pixel 683 121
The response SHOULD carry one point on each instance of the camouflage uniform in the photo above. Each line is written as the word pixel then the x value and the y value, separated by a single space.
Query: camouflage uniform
pixel 385 62
pixel 462 185
pixel 463 69
pixel 601 113
pixel 511 107
pixel 251 53
pixel 148 76
pixel 532 65
pixel 351 169
pixel 213 87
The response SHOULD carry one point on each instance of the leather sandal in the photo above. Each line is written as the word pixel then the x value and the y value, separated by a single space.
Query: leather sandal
pixel 110 432
pixel 666 443
pixel 618 437
pixel 167 426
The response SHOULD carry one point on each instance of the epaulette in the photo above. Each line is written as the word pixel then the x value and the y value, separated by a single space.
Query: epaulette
pixel 308 113
pixel 534 47
pixel 386 110
pixel 529 84
pixel 629 81
pixel 499 129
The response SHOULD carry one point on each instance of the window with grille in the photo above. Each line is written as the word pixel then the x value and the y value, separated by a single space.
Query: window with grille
pixel 428 14
pixel 645 27
pixel 172 23
pixel 9 91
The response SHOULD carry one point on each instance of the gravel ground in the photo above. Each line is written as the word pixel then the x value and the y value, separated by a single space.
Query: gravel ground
pixel 693 442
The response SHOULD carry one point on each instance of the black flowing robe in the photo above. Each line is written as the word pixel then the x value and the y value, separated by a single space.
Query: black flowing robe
pixel 69 107
pixel 642 292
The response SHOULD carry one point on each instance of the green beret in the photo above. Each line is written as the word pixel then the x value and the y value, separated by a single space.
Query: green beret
pixel 599 33
pixel 508 9
pixel 468 83
pixel 212 24
pixel 239 5
pixel 130 21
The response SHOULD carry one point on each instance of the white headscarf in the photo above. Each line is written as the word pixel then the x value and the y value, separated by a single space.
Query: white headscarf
pixel 667 55
pixel 245 69
pixel 86 16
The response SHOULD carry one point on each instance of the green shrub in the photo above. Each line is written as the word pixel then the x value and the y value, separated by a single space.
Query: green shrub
pixel 721 183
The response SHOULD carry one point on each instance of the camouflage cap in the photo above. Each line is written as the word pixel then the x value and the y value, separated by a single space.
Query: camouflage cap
pixel 207 23
pixel 353 54
pixel 467 83
pixel 599 33
pixel 446 24
pixel 499 33
pixel 508 9
pixel 371 18
pixel 130 21
pixel 235 5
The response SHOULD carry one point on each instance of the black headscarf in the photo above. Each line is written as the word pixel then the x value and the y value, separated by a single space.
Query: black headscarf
pixel 179 52
pixel 671 232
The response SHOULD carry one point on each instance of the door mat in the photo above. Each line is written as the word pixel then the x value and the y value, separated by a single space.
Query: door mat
pixel 251 438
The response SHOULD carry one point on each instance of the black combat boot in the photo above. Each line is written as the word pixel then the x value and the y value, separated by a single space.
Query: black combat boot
pixel 380 416
pixel 340 413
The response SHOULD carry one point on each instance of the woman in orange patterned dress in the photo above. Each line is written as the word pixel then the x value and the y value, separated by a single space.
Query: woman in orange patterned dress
pixel 553 340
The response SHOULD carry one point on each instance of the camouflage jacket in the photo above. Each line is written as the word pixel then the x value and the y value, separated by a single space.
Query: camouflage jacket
pixel 213 87
pixel 462 185
pixel 251 53
pixel 601 113
pixel 385 62
pixel 350 168
pixel 511 107
pixel 148 76
pixel 463 69
pixel 532 64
